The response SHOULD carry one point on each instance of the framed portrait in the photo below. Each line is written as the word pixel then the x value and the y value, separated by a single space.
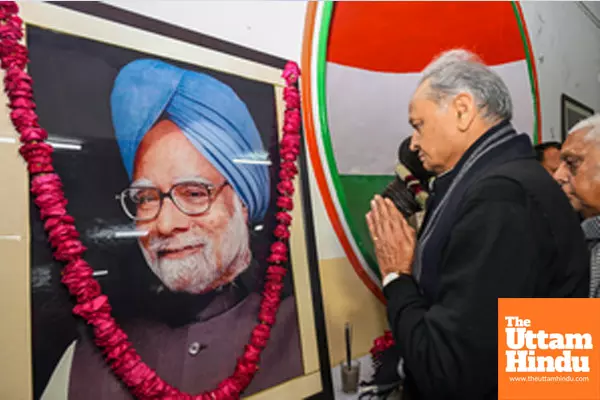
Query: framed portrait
pixel 571 112
pixel 166 142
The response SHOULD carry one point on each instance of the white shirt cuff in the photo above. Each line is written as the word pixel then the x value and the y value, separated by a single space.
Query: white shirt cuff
pixel 400 369
pixel 389 278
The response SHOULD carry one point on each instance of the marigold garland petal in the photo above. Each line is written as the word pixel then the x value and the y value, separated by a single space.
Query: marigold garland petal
pixel 92 305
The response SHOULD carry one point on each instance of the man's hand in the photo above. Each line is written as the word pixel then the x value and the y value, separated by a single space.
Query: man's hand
pixel 393 238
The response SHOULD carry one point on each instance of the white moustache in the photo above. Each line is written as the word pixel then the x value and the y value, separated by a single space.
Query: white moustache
pixel 176 243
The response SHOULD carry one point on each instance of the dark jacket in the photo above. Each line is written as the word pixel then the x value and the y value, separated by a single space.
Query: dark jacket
pixel 514 235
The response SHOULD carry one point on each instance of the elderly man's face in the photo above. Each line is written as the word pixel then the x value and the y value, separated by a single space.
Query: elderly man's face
pixel 435 135
pixel 189 253
pixel 564 179
pixel 581 158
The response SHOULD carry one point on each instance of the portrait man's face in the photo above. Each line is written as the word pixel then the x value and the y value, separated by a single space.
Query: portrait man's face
pixel 197 238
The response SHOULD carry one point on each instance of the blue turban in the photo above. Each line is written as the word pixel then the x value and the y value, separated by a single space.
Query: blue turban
pixel 208 112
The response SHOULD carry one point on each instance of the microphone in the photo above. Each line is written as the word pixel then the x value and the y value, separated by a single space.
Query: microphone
pixel 402 197
pixel 410 160
pixel 407 191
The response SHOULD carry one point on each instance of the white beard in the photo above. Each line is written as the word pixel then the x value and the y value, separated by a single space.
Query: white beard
pixel 199 271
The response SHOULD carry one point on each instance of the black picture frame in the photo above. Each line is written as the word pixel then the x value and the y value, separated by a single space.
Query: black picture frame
pixel 118 15
pixel 571 112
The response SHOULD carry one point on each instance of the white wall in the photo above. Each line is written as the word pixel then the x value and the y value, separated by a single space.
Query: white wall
pixel 566 44
pixel 273 27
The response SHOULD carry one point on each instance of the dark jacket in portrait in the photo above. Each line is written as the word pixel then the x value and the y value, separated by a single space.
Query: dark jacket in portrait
pixel 195 357
pixel 192 341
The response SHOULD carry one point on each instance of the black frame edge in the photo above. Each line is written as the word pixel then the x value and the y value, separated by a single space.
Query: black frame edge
pixel 564 98
pixel 315 279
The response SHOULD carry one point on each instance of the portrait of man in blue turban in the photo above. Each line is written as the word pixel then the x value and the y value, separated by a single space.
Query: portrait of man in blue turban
pixel 187 142
pixel 192 152
pixel 183 160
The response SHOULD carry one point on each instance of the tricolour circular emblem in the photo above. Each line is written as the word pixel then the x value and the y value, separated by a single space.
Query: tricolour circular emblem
pixel 361 64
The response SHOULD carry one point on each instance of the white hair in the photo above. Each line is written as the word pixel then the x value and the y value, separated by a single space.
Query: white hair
pixel 592 123
pixel 459 70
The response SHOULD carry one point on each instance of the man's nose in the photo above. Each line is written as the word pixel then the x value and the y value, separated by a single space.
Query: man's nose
pixel 170 219
pixel 561 175
pixel 414 142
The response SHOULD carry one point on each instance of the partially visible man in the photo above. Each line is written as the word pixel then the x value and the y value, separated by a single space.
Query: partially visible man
pixel 581 156
pixel 497 226
pixel 548 154
pixel 579 175
pixel 184 138
pixel 564 178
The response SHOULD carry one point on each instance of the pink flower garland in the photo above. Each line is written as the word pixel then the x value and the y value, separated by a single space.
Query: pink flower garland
pixel 92 305
pixel 381 344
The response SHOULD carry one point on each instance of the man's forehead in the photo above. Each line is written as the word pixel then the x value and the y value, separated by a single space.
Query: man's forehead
pixel 418 97
pixel 421 91
pixel 576 144
pixel 146 182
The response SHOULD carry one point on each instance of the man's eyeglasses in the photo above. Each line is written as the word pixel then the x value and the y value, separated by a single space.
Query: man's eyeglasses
pixel 191 198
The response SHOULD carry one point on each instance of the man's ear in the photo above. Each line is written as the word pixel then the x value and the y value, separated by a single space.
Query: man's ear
pixel 466 110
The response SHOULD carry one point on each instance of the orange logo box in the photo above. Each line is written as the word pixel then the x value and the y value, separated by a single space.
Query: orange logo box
pixel 549 349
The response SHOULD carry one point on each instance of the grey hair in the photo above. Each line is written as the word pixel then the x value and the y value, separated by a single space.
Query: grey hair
pixel 459 70
pixel 592 123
